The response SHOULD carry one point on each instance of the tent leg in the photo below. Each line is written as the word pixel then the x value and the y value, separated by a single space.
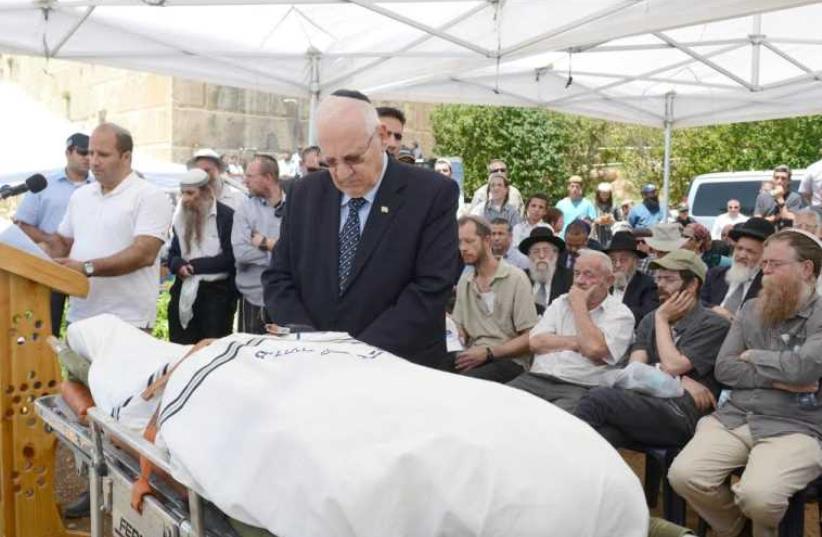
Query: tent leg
pixel 666 165
pixel 314 59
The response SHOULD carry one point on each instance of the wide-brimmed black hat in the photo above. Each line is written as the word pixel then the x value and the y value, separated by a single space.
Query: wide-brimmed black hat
pixel 624 241
pixel 755 228
pixel 540 234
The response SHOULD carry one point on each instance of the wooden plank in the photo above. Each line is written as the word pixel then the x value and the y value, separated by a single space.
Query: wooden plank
pixel 44 272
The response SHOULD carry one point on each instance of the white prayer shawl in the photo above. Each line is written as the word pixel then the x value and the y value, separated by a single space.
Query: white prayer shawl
pixel 334 438
pixel 124 362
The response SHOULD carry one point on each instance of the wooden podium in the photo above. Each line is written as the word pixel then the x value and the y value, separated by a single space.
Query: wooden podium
pixel 28 370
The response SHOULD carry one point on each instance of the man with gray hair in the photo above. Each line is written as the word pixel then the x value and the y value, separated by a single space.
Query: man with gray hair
pixel 582 335
pixel 368 246
pixel 809 220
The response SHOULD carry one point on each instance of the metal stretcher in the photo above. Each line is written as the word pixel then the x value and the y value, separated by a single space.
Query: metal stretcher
pixel 112 472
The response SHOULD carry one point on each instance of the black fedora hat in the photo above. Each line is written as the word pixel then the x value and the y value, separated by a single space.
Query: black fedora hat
pixel 540 234
pixel 755 228
pixel 624 241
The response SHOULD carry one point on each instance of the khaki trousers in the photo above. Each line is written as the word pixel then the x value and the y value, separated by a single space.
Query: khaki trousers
pixel 775 469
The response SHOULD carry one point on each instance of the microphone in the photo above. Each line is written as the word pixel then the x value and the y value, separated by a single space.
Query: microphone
pixel 33 184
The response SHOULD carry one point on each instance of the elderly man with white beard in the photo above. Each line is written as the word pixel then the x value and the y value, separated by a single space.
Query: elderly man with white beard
pixel 203 297
pixel 636 289
pixel 772 423
pixel 727 288
pixel 549 278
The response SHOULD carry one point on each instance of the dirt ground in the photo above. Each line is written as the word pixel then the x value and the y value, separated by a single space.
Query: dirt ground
pixel 69 485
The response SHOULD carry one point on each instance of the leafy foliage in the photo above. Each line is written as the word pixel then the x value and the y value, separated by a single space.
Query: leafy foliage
pixel 542 148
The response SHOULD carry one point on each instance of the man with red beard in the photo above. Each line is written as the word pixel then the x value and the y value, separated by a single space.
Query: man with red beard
pixel 772 423
pixel 203 297
pixel 727 288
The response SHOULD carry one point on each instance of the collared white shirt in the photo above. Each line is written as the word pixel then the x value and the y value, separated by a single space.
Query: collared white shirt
pixel 369 196
pixel 105 224
pixel 209 245
pixel 612 317
pixel 523 231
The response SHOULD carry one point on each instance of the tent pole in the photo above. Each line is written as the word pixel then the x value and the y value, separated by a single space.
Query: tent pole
pixel 756 46
pixel 314 88
pixel 666 167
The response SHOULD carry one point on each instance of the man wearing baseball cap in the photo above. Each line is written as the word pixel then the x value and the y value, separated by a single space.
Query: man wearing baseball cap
pixel 727 288
pixel 648 213
pixel 681 338
pixel 40 213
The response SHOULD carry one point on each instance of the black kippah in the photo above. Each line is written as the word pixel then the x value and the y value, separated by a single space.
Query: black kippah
pixel 351 94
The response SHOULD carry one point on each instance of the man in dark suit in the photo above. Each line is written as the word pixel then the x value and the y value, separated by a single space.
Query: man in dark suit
pixel 369 246
pixel 637 289
pixel 727 288
pixel 550 279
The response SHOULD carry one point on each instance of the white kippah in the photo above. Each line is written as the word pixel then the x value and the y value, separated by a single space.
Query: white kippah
pixel 194 177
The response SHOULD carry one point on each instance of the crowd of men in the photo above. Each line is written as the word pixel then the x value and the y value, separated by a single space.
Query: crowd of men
pixel 552 299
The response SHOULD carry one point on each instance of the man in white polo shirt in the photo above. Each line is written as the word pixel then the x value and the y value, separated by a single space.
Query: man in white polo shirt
pixel 112 232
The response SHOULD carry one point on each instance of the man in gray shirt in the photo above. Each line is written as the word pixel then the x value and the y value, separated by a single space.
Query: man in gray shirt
pixel 772 423
pixel 779 206
pixel 253 236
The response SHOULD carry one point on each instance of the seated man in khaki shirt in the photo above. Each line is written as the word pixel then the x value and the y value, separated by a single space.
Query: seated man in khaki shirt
pixel 494 310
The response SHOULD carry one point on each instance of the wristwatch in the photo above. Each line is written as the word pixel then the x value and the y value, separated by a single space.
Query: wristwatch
pixel 489 354
pixel 88 269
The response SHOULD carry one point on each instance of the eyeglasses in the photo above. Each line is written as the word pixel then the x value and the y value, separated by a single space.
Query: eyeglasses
pixel 498 170
pixel 666 279
pixel 397 135
pixel 351 160
pixel 775 263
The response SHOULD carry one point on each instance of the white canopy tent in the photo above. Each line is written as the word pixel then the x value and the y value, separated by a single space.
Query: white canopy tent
pixel 666 63
pixel 34 140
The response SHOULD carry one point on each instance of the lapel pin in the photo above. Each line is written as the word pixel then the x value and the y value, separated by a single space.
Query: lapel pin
pixel 384 209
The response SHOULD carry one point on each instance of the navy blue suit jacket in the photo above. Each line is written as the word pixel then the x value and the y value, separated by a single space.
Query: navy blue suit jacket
pixel 403 270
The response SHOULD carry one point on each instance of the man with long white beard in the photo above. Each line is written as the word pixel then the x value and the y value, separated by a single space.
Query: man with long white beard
pixel 727 288
pixel 203 297
pixel 636 289
pixel 772 423
pixel 549 279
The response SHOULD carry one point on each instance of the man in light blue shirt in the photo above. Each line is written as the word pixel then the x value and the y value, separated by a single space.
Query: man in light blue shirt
pixel 648 213
pixel 40 213
pixel 574 206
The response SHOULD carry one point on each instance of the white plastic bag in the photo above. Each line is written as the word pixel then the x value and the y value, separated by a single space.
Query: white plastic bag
pixel 645 379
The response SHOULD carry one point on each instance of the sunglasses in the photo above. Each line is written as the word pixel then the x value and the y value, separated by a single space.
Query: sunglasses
pixel 499 170
pixel 81 152
pixel 397 135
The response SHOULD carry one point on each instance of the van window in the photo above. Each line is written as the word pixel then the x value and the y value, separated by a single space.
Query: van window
pixel 711 199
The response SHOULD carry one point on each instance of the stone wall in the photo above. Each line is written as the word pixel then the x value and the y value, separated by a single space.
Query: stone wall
pixel 172 117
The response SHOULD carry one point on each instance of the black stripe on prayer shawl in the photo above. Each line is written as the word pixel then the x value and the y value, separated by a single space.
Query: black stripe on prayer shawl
pixel 228 355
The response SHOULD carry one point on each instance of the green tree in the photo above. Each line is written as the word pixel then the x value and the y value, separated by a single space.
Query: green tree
pixel 531 141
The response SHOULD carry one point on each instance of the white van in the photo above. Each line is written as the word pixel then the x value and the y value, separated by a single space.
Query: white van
pixel 709 193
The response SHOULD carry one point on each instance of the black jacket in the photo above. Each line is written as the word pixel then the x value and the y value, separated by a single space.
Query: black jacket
pixel 640 296
pixel 223 262
pixel 560 284
pixel 403 269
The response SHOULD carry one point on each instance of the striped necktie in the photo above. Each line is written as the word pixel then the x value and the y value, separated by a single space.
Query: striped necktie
pixel 349 239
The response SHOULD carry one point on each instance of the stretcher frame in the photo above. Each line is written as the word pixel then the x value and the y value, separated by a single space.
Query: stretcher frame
pixel 112 472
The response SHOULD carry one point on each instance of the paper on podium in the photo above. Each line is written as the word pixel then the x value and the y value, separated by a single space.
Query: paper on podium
pixel 11 235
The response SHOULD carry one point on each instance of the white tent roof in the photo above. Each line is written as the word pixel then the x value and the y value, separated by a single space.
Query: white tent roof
pixel 481 51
